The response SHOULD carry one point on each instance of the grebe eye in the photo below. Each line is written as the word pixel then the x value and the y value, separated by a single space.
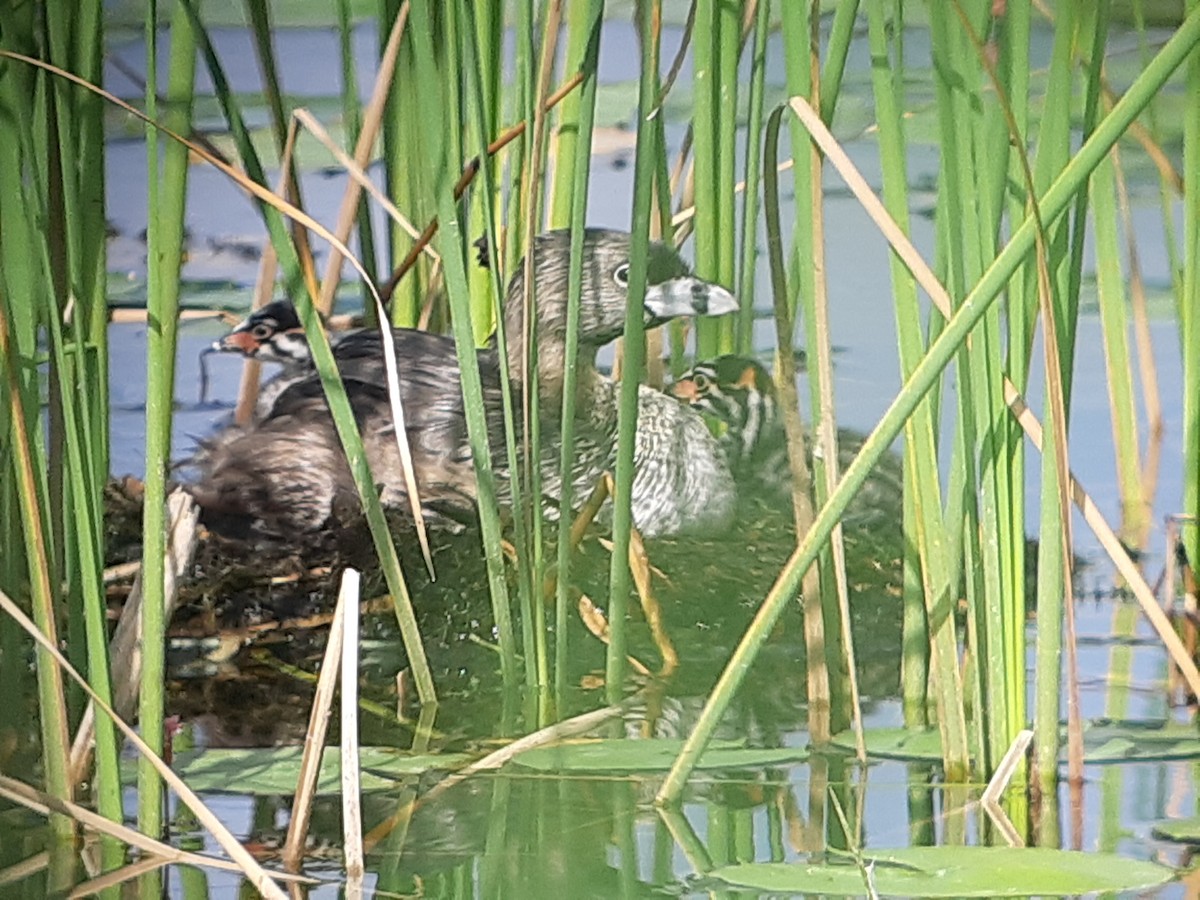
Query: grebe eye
pixel 621 275
pixel 262 331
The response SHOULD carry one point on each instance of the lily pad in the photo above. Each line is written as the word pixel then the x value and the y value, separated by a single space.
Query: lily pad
pixel 649 756
pixel 1131 742
pixel 1107 743
pixel 275 770
pixel 957 872
pixel 915 745
pixel 1182 831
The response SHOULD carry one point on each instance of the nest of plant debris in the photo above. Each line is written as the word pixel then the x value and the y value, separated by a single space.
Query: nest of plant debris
pixel 238 595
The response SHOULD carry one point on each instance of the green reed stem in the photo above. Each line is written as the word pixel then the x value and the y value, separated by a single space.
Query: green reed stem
pixel 1011 456
pixel 522 225
pixel 451 244
pixel 73 436
pixel 633 363
pixel 1114 320
pixel 70 258
pixel 52 704
pixel 590 22
pixel 578 21
pixel 161 306
pixel 744 342
pixel 93 239
pixel 889 103
pixel 80 117
pixel 17 278
pixel 288 258
pixel 1189 318
pixel 534 199
pixel 797 56
pixel 167 200
pixel 966 121
pixel 487 36
pixel 841 33
pixel 259 16
pixel 165 241
pixel 90 563
pixel 706 157
pixel 1053 151
pixel 402 128
pixel 481 107
pixel 352 118
pixel 917 385
pixel 729 50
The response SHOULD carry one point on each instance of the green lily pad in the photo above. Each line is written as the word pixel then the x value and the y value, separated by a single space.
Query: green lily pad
pixel 649 756
pixel 1107 743
pixel 913 745
pixel 275 770
pixel 1183 831
pixel 957 872
pixel 1131 742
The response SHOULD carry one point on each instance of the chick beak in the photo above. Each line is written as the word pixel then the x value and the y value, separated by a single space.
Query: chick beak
pixel 242 342
pixel 684 389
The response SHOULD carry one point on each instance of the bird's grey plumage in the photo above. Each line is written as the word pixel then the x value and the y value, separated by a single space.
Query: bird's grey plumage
pixel 433 403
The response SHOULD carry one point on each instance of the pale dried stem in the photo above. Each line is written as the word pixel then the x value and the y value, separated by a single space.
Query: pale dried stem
pixel 826 436
pixel 352 839
pixel 372 120
pixel 314 743
pixel 125 648
pixel 43 804
pixel 567 728
pixel 264 289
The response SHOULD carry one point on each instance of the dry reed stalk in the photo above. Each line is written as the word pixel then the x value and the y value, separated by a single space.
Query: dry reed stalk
pixel 360 180
pixel 42 803
pixel 25 868
pixel 567 728
pixel 314 743
pixel 351 776
pixel 264 288
pixel 125 654
pixel 372 120
pixel 826 436
pixel 464 180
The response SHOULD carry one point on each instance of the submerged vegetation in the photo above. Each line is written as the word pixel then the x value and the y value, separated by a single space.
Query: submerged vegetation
pixel 478 131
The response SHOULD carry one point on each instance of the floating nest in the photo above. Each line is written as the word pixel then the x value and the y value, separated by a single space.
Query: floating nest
pixel 250 621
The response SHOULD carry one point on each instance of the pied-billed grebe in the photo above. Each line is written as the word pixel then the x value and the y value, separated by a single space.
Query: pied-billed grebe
pixel 275 479
pixel 740 393
pixel 431 393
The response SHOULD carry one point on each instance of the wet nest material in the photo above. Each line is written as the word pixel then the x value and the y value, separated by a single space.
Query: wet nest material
pixel 252 592
pixel 251 620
